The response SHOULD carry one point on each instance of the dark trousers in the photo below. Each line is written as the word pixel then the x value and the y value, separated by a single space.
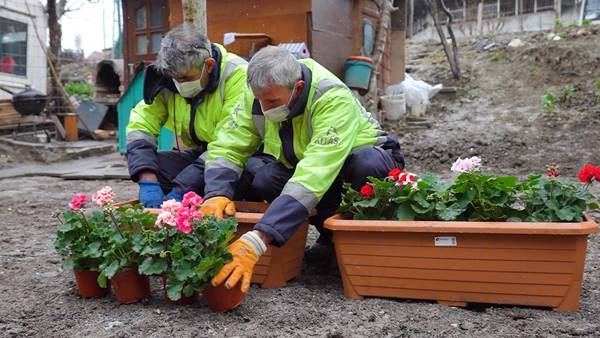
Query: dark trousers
pixel 184 168
pixel 264 178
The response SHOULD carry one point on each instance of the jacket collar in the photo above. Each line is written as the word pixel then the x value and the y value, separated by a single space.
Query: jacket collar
pixel 300 105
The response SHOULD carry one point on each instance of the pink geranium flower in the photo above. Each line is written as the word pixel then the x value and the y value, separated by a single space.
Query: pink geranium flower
pixel 78 201
pixel 104 196
pixel 186 218
pixel 191 199
pixel 466 165
pixel 168 214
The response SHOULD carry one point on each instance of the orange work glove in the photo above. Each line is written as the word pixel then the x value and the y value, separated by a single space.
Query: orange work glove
pixel 218 206
pixel 245 252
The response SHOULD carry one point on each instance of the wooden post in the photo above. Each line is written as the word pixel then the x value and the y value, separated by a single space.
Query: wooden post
pixel 535 6
pixel 558 8
pixel 516 7
pixel 194 12
pixel 498 7
pixel 411 19
pixel 480 17
pixel 582 14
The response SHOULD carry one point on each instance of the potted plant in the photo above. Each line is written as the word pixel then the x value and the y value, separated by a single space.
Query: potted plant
pixel 188 249
pixel 480 238
pixel 120 249
pixel 277 265
pixel 79 239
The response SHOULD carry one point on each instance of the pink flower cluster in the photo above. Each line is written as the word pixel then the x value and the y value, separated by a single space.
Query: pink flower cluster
pixel 78 201
pixel 104 196
pixel 466 165
pixel 181 215
pixel 168 214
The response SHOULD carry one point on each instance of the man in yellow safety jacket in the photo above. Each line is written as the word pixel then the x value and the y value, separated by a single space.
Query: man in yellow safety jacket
pixel 190 89
pixel 316 136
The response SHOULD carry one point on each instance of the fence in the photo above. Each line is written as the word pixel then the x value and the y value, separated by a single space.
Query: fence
pixel 467 10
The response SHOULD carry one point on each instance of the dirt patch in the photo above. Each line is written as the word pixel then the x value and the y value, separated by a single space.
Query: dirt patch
pixel 39 297
pixel 497 111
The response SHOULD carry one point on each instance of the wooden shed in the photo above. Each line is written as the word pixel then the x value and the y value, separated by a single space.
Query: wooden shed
pixel 331 29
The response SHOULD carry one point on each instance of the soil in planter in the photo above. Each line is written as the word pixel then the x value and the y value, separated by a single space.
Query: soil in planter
pixel 221 299
pixel 129 286
pixel 87 284
pixel 183 300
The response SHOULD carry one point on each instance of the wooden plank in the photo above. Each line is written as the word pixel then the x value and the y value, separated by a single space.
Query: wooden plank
pixel 463 240
pixel 460 264
pixel 453 275
pixel 461 253
pixel 477 297
pixel 457 286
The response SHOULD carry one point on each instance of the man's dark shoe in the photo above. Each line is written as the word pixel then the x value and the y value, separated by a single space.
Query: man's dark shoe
pixel 322 252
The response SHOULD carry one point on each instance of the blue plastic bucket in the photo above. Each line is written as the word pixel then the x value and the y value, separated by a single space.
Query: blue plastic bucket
pixel 357 74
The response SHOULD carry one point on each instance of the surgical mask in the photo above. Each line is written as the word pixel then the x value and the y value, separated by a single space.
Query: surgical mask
pixel 189 89
pixel 279 113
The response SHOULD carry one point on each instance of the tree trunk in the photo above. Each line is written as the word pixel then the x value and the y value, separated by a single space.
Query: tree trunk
pixel 55 34
pixel 194 12
pixel 385 13
pixel 451 54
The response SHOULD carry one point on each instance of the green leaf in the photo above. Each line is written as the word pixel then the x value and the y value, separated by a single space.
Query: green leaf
pixel 93 250
pixel 102 280
pixel 184 271
pixel 153 266
pixel 174 288
pixel 68 264
pixel 565 214
pixel 112 269
pixel 367 203
pixel 404 213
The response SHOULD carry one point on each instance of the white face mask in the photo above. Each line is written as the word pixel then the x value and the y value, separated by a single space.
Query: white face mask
pixel 189 89
pixel 279 113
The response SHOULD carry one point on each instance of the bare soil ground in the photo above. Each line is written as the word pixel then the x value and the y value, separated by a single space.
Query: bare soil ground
pixel 496 114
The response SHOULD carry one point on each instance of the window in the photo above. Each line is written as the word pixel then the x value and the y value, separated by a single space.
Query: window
pixel 149 24
pixel 13 47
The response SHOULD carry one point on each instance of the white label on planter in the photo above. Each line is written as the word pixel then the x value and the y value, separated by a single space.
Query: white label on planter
pixel 444 241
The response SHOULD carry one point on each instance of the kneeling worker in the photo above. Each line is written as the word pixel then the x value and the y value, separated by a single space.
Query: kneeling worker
pixel 316 136
pixel 190 89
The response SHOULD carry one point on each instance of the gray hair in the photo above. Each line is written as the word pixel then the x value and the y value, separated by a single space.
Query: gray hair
pixel 273 66
pixel 183 48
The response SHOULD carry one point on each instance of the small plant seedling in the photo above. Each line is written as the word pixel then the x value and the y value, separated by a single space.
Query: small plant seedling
pixel 568 91
pixel 563 35
pixel 573 24
pixel 558 23
pixel 497 58
pixel 586 22
pixel 548 101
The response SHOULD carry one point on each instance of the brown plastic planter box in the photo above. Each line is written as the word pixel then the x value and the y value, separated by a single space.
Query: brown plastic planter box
pixel 276 266
pixel 455 263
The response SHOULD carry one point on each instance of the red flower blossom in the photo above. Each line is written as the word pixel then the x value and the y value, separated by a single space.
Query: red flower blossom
pixel 367 190
pixel 588 173
pixel 395 173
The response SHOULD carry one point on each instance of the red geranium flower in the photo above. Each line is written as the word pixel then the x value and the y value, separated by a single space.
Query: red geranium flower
pixel 367 190
pixel 395 173
pixel 588 173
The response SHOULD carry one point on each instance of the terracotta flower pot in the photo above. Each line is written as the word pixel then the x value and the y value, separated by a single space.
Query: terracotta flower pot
pixel 129 286
pixel 87 284
pixel 221 299
pixel 183 300
pixel 455 263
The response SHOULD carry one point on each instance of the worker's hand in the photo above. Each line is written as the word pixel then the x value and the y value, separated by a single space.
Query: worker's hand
pixel 174 195
pixel 218 206
pixel 245 252
pixel 151 195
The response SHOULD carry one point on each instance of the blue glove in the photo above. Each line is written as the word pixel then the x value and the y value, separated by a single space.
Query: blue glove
pixel 174 195
pixel 151 195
